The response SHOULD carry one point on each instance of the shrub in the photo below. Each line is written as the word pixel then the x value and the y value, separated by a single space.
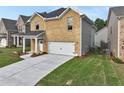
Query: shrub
pixel 92 49
pixel 35 54
pixel 117 60
pixel 13 46
pixel 7 46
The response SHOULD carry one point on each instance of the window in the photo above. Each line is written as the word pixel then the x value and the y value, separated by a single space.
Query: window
pixel 70 23
pixel 37 27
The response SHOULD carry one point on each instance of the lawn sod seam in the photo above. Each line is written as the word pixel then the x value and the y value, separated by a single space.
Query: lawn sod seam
pixel 114 69
pixel 117 69
pixel 111 76
pixel 87 73
pixel 76 76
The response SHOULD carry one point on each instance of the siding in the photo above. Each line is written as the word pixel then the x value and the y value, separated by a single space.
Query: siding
pixel 101 35
pixel 20 25
pixel 113 37
pixel 88 36
pixel 2 27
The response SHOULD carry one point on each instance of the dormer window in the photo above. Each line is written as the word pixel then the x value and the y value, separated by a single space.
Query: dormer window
pixel 37 27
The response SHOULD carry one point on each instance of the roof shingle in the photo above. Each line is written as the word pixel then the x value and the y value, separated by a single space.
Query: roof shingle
pixel 54 13
pixel 119 11
pixel 25 18
pixel 9 24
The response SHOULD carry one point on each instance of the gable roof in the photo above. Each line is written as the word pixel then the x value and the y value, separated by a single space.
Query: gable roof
pixel 118 11
pixel 56 14
pixel 25 18
pixel 9 24
pixel 43 14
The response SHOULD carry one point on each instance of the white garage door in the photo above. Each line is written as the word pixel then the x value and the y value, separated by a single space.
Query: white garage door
pixel 61 48
pixel 3 42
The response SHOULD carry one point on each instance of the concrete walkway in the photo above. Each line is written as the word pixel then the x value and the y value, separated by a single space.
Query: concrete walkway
pixel 28 72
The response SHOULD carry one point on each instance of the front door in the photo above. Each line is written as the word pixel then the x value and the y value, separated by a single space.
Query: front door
pixel 40 46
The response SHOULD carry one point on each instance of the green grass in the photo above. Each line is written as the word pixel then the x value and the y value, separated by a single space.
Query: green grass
pixel 7 56
pixel 93 70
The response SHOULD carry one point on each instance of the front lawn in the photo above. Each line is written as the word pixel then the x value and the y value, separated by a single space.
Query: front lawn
pixel 92 70
pixel 8 56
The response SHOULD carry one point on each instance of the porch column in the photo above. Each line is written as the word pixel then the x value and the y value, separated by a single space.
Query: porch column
pixel 36 41
pixel 17 41
pixel 23 44
pixel 14 40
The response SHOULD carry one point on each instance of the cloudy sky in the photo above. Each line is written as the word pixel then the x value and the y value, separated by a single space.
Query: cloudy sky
pixel 91 11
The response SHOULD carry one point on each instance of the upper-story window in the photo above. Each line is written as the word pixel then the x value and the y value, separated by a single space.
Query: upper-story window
pixel 70 23
pixel 37 25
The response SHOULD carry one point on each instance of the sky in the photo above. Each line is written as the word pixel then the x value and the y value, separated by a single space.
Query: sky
pixel 12 12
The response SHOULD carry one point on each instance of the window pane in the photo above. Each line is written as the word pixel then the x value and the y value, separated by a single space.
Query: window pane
pixel 70 20
pixel 69 23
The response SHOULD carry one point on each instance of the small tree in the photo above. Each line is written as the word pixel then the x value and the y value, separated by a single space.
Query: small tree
pixel 100 23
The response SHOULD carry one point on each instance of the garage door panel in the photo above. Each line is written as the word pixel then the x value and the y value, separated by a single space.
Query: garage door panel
pixel 61 48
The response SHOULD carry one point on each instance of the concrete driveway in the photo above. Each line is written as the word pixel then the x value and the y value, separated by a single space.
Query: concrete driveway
pixel 28 72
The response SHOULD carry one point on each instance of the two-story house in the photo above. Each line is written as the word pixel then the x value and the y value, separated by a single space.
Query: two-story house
pixel 62 31
pixel 23 27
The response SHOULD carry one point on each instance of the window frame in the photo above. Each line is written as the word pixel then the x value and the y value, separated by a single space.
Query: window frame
pixel 70 23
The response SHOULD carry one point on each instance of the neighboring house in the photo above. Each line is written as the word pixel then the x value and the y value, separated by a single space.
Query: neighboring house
pixel 7 27
pixel 23 27
pixel 62 31
pixel 101 36
pixel 116 31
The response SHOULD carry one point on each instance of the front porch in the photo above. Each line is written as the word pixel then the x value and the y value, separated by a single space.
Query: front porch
pixel 36 39
pixel 17 40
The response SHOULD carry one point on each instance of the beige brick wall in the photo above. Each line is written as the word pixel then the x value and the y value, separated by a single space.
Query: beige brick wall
pixel 56 30
pixel 122 38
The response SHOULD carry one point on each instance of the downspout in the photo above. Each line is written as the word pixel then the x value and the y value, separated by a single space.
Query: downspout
pixel 118 37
